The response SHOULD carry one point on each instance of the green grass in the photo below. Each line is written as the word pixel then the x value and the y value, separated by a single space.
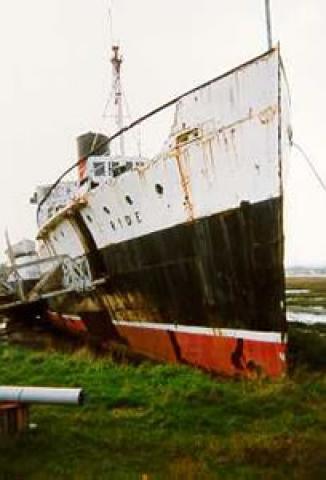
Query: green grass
pixel 161 421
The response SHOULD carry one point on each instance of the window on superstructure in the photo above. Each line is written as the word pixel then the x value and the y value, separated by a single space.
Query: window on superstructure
pixel 187 136
pixel 111 167
pixel 183 138
pixel 99 169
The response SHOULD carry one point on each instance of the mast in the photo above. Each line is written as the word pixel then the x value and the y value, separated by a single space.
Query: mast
pixel 116 61
pixel 268 24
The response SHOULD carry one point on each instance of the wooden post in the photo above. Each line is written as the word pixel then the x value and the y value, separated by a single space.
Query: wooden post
pixel 13 418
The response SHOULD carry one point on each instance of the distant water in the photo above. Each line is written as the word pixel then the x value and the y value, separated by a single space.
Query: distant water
pixel 296 291
pixel 307 317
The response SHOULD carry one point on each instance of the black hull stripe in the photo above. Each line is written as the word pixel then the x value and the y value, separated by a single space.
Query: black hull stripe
pixel 224 271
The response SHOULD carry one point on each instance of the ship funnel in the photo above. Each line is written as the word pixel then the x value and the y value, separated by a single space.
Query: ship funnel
pixel 87 144
pixel 91 142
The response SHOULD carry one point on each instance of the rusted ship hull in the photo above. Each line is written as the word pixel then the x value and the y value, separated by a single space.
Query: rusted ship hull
pixel 209 293
pixel 185 253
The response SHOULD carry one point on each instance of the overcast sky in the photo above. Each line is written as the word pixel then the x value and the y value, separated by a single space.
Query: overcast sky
pixel 55 78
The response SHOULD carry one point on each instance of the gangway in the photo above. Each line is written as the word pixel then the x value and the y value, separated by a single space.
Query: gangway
pixel 66 275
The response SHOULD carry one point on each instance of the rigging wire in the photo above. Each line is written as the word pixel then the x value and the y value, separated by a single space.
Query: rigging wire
pixel 137 132
pixel 110 21
pixel 110 43
pixel 106 106
pixel 311 166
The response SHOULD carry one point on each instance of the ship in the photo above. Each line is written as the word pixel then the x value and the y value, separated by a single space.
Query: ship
pixel 180 256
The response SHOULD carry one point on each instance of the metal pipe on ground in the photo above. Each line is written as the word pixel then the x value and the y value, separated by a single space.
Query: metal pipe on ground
pixel 42 395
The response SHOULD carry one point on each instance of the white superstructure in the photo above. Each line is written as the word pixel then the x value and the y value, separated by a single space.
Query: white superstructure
pixel 223 150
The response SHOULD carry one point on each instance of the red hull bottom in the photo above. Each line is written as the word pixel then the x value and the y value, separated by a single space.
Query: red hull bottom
pixel 227 352
pixel 71 323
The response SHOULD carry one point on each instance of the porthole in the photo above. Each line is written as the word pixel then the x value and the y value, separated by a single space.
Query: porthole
pixel 128 200
pixel 128 220
pixel 62 234
pixel 186 201
pixel 89 218
pixel 106 210
pixel 159 189
pixel 112 225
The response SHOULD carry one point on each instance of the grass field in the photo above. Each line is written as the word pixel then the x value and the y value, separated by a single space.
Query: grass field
pixel 148 421
pixel 152 421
